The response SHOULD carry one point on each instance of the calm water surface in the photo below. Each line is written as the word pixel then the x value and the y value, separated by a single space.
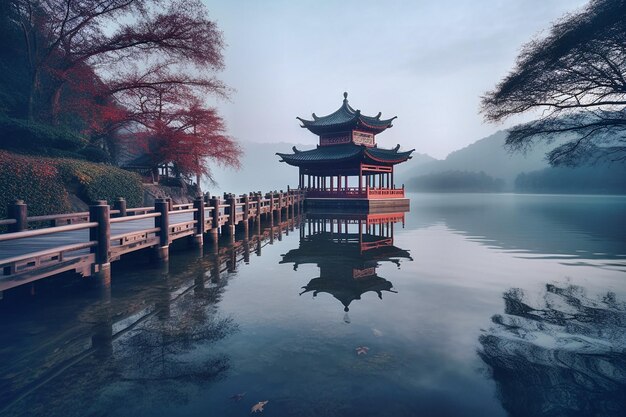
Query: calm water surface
pixel 481 305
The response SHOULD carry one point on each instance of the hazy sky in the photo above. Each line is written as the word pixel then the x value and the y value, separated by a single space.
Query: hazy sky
pixel 426 62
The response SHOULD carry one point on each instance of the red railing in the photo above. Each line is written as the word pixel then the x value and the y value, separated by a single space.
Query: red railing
pixel 385 193
pixel 354 192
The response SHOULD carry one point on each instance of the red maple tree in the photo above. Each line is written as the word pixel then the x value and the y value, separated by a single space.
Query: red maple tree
pixel 136 63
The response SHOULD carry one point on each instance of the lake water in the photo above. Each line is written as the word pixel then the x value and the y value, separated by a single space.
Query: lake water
pixel 480 305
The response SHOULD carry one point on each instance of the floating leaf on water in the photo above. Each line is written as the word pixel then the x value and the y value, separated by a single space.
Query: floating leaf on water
pixel 362 350
pixel 258 406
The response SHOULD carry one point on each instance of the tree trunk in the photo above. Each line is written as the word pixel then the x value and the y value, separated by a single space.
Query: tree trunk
pixel 32 91
pixel 55 105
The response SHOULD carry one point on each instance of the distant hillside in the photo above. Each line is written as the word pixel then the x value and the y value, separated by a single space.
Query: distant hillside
pixel 261 169
pixel 596 179
pixel 456 181
pixel 486 166
pixel 487 155
pixel 404 172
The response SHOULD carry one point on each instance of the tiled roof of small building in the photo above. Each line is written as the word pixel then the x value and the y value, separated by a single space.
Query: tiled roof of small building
pixel 346 118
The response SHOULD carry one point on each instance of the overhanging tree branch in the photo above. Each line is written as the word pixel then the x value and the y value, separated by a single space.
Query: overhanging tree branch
pixel 575 77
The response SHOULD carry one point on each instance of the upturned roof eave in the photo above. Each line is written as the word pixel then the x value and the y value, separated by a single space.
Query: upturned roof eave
pixel 351 118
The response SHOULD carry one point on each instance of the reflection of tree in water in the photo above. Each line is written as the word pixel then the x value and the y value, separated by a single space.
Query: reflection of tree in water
pixel 161 355
pixel 165 352
pixel 563 354
pixel 156 349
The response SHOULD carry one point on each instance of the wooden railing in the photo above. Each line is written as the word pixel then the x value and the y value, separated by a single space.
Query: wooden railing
pixel 93 254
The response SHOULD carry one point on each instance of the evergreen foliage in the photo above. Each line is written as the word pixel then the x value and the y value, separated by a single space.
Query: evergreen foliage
pixel 35 181
pixel 603 179
pixel 43 183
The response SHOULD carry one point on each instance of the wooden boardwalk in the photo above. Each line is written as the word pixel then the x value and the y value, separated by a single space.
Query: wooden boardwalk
pixel 109 321
pixel 88 242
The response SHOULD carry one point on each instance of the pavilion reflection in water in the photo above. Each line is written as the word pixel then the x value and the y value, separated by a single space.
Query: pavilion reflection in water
pixel 348 248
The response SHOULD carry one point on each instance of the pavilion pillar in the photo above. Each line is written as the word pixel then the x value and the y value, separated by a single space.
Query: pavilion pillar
pixel 360 180
pixel 331 183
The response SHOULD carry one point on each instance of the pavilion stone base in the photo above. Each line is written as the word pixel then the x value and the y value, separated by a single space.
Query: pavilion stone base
pixel 403 204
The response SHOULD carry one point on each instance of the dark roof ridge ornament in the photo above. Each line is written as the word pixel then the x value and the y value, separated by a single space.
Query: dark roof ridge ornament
pixel 345 97
pixel 314 116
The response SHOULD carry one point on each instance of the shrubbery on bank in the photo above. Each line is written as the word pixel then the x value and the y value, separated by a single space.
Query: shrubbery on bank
pixel 100 181
pixel 43 183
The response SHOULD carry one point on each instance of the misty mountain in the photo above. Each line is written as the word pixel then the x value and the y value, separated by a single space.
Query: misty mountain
pixel 405 171
pixel 486 166
pixel 595 179
pixel 489 156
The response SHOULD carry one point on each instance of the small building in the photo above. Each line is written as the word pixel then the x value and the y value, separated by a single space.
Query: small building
pixel 347 168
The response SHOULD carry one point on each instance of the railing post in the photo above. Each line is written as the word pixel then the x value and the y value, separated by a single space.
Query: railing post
pixel 232 214
pixel 246 207
pixel 258 197
pixel 17 210
pixel 198 216
pixel 161 206
pixel 100 213
pixel 120 204
pixel 215 217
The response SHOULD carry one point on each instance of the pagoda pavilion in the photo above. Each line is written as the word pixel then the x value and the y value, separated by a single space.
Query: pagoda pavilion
pixel 347 166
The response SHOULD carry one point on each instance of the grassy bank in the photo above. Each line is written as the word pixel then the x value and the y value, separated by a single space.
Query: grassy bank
pixel 45 184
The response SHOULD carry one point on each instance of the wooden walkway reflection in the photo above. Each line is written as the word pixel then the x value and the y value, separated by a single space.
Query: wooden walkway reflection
pixel 107 322
pixel 88 242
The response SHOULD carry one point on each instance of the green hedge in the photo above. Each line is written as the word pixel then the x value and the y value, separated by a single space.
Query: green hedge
pixel 29 135
pixel 101 181
pixel 37 182
pixel 43 183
